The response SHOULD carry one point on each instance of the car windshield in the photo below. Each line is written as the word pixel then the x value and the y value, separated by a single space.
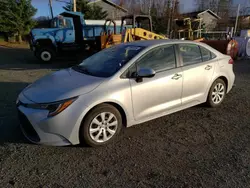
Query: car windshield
pixel 107 62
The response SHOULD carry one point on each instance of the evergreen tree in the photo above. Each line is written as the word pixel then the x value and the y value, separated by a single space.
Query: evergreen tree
pixel 92 11
pixel 16 17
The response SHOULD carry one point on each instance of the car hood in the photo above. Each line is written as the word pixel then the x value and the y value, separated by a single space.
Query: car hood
pixel 61 85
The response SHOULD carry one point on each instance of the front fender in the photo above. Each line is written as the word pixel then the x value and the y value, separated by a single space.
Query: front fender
pixel 48 39
pixel 87 105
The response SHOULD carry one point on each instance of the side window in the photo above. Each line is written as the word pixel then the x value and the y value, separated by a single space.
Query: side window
pixel 206 54
pixel 53 23
pixel 190 53
pixel 213 55
pixel 60 23
pixel 68 23
pixel 159 59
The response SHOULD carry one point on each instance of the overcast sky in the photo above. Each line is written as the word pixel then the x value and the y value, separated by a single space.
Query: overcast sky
pixel 43 6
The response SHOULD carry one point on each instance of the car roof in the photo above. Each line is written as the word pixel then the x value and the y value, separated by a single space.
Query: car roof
pixel 148 43
pixel 158 42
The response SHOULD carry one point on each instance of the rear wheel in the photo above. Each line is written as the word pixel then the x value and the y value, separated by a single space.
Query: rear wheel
pixel 101 126
pixel 217 93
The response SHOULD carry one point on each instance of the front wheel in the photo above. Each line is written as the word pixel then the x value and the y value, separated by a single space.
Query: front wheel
pixel 45 54
pixel 101 126
pixel 217 93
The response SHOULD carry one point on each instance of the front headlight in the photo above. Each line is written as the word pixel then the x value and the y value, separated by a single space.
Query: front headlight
pixel 53 108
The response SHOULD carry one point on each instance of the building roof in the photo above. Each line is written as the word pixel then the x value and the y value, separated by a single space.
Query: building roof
pixel 71 14
pixel 110 3
pixel 211 12
pixel 197 13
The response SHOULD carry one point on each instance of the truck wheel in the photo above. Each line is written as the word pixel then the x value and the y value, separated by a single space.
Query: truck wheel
pixel 46 54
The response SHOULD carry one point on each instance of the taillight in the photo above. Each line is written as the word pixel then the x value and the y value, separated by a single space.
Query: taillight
pixel 231 61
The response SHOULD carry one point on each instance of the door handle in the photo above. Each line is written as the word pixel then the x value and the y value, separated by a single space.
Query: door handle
pixel 208 67
pixel 176 76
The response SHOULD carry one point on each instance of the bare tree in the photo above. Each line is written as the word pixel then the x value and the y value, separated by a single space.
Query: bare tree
pixel 162 11
pixel 217 6
pixel 145 6
pixel 208 4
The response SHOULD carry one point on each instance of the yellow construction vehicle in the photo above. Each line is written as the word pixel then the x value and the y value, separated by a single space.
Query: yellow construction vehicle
pixel 133 28
pixel 188 28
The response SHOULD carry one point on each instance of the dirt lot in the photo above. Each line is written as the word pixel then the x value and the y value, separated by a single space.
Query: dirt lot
pixel 198 147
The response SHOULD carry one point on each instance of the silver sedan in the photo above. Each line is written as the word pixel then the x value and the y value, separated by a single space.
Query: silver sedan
pixel 122 86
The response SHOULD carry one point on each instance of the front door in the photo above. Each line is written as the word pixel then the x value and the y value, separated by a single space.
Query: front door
pixel 155 96
pixel 198 68
pixel 70 36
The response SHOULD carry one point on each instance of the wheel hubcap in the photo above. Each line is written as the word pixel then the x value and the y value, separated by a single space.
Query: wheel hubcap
pixel 103 127
pixel 218 93
pixel 45 56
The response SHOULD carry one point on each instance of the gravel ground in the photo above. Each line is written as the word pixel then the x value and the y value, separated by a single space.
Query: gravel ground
pixel 198 147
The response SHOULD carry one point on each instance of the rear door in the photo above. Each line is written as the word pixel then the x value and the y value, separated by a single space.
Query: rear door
pixel 198 65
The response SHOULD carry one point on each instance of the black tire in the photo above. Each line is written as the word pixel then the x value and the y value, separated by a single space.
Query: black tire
pixel 43 51
pixel 85 137
pixel 210 102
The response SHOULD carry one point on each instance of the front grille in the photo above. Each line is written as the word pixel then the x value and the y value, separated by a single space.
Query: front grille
pixel 28 128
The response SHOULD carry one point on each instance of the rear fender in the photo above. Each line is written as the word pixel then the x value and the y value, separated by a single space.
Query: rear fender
pixel 217 76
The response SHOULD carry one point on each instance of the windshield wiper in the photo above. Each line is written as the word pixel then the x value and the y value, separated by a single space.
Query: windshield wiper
pixel 81 69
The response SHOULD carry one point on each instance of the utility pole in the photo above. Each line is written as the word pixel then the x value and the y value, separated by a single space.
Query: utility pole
pixel 150 7
pixel 51 10
pixel 74 5
pixel 237 19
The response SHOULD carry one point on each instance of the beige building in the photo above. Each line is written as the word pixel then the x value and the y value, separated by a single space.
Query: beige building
pixel 209 18
pixel 114 11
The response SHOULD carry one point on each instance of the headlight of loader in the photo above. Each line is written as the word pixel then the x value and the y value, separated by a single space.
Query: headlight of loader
pixel 53 108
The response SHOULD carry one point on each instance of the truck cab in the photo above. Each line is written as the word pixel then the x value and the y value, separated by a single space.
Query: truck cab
pixel 67 30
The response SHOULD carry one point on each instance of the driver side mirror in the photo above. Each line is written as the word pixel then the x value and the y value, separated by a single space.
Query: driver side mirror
pixel 145 73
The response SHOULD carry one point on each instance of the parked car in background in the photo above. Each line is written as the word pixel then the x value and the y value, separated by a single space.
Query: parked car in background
pixel 123 86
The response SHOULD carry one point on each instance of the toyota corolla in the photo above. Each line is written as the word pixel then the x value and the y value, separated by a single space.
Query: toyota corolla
pixel 122 86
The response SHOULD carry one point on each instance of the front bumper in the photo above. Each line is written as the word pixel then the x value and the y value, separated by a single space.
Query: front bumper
pixel 34 125
pixel 35 134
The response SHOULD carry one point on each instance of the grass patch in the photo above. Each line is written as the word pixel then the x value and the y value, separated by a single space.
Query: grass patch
pixel 2 39
pixel 14 45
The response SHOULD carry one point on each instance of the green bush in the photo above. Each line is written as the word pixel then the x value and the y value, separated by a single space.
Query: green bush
pixel 2 39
